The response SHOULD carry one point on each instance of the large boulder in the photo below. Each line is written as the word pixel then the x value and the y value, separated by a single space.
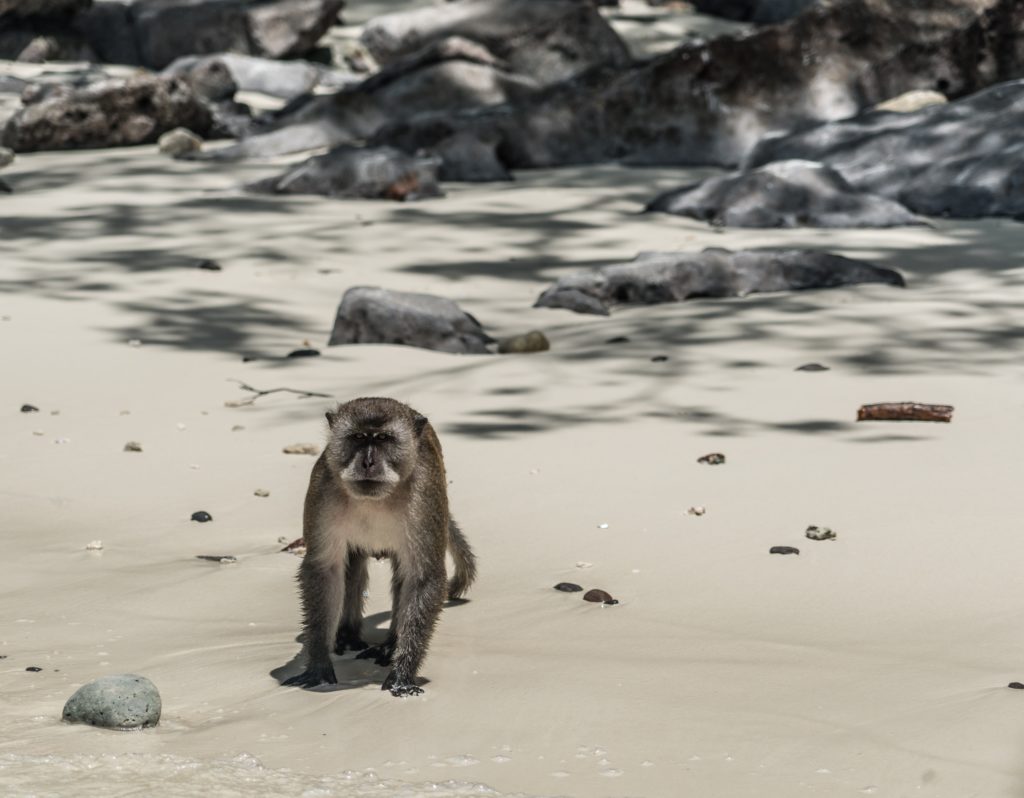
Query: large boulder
pixel 381 173
pixel 710 102
pixel 783 194
pixel 546 40
pixel 284 79
pixel 378 316
pixel 124 702
pixel 107 114
pixel 961 159
pixel 656 277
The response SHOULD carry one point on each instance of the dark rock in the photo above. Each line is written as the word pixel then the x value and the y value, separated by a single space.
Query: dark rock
pixel 960 159
pixel 108 114
pixel 125 701
pixel 547 41
pixel 783 550
pixel 29 409
pixel 41 8
pixel 33 669
pixel 108 27
pixel 812 367
pixel 377 173
pixel 715 458
pixel 208 265
pixel 533 341
pixel 759 11
pixel 783 194
pixel 304 353
pixel 223 559
pixel 828 63
pixel 659 358
pixel 1015 686
pixel 211 79
pixel 179 142
pixel 6 189
pixel 599 597
pixel 378 316
pixel 654 277
pixel 133 446
pixel 618 339
pixel 568 587
pixel 201 516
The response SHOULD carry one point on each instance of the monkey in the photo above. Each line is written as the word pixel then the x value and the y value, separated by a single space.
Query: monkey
pixel 377 490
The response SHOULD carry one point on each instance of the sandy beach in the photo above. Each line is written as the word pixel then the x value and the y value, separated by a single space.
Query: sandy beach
pixel 873 664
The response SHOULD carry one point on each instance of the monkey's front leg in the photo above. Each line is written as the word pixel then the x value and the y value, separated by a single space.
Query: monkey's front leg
pixel 321 588
pixel 419 606
pixel 350 635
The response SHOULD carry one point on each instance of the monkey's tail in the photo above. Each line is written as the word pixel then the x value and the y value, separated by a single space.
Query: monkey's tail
pixel 465 561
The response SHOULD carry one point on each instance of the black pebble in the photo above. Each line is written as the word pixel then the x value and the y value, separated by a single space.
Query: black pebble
pixel 599 596
pixel 715 458
pixel 783 550
pixel 1016 685
pixel 217 557
pixel 3 656
pixel 304 353
pixel 33 669
pixel 618 339
pixel 208 265
pixel 29 409
pixel 568 587
pixel 250 358
pixel 659 358
pixel 812 367
pixel 201 516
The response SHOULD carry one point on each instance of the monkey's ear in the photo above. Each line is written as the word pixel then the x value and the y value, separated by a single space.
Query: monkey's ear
pixel 332 418
pixel 419 424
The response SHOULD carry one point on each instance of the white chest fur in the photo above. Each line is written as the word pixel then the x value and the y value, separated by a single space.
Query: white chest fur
pixel 368 525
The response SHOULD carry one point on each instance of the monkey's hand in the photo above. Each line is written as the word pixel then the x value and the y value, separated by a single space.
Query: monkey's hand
pixel 400 686
pixel 379 654
pixel 313 676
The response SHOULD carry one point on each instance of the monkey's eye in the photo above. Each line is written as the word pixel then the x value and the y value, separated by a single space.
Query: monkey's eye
pixel 381 436
pixel 359 436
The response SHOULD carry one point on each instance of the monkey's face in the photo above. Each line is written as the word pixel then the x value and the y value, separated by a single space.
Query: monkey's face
pixel 372 461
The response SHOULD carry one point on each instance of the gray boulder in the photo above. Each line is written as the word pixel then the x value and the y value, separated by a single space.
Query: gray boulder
pixel 759 11
pixel 284 79
pixel 376 173
pixel 107 114
pixel 656 277
pixel 783 194
pixel 546 40
pixel 124 702
pixel 961 159
pixel 378 316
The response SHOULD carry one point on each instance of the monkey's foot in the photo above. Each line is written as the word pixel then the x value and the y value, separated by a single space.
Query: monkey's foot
pixel 348 642
pixel 313 677
pixel 400 686
pixel 380 654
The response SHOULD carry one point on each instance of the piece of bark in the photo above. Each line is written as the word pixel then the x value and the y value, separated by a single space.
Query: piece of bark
pixel 905 411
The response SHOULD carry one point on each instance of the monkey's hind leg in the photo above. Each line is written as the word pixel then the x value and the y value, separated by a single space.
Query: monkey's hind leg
pixel 321 605
pixel 381 654
pixel 419 606
pixel 350 635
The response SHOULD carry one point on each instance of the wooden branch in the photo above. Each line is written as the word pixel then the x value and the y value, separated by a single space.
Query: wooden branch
pixel 257 393
pixel 905 411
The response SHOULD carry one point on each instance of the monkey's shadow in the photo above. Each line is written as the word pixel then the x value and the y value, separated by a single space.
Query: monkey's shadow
pixel 352 673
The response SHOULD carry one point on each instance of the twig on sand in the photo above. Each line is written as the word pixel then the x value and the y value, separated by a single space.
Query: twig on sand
pixel 905 411
pixel 258 392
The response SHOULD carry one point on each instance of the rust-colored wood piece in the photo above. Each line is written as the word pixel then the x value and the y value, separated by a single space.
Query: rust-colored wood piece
pixel 905 411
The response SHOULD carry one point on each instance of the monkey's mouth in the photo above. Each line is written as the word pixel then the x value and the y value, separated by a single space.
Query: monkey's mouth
pixel 369 485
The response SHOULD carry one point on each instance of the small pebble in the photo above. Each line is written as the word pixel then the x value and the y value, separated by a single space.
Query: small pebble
pixel 208 265
pixel 134 342
pixel 812 367
pixel 194 466
pixel 659 358
pixel 819 533
pixel 1015 686
pixel 201 516
pixel 33 669
pixel 94 545
pixel 62 440
pixel 698 510
pixel 302 448
pixel 599 596
pixel 715 458
pixel 133 446
pixel 618 339
pixel 584 564
pixel 602 526
pixel 224 559
pixel 29 409
pixel 237 428
pixel 783 550
pixel 568 587
pixel 533 341
pixel 54 412
pixel 304 353
pixel 261 492
pixel 38 432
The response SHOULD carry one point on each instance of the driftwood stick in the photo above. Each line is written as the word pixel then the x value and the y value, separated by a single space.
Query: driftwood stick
pixel 905 411
pixel 257 393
